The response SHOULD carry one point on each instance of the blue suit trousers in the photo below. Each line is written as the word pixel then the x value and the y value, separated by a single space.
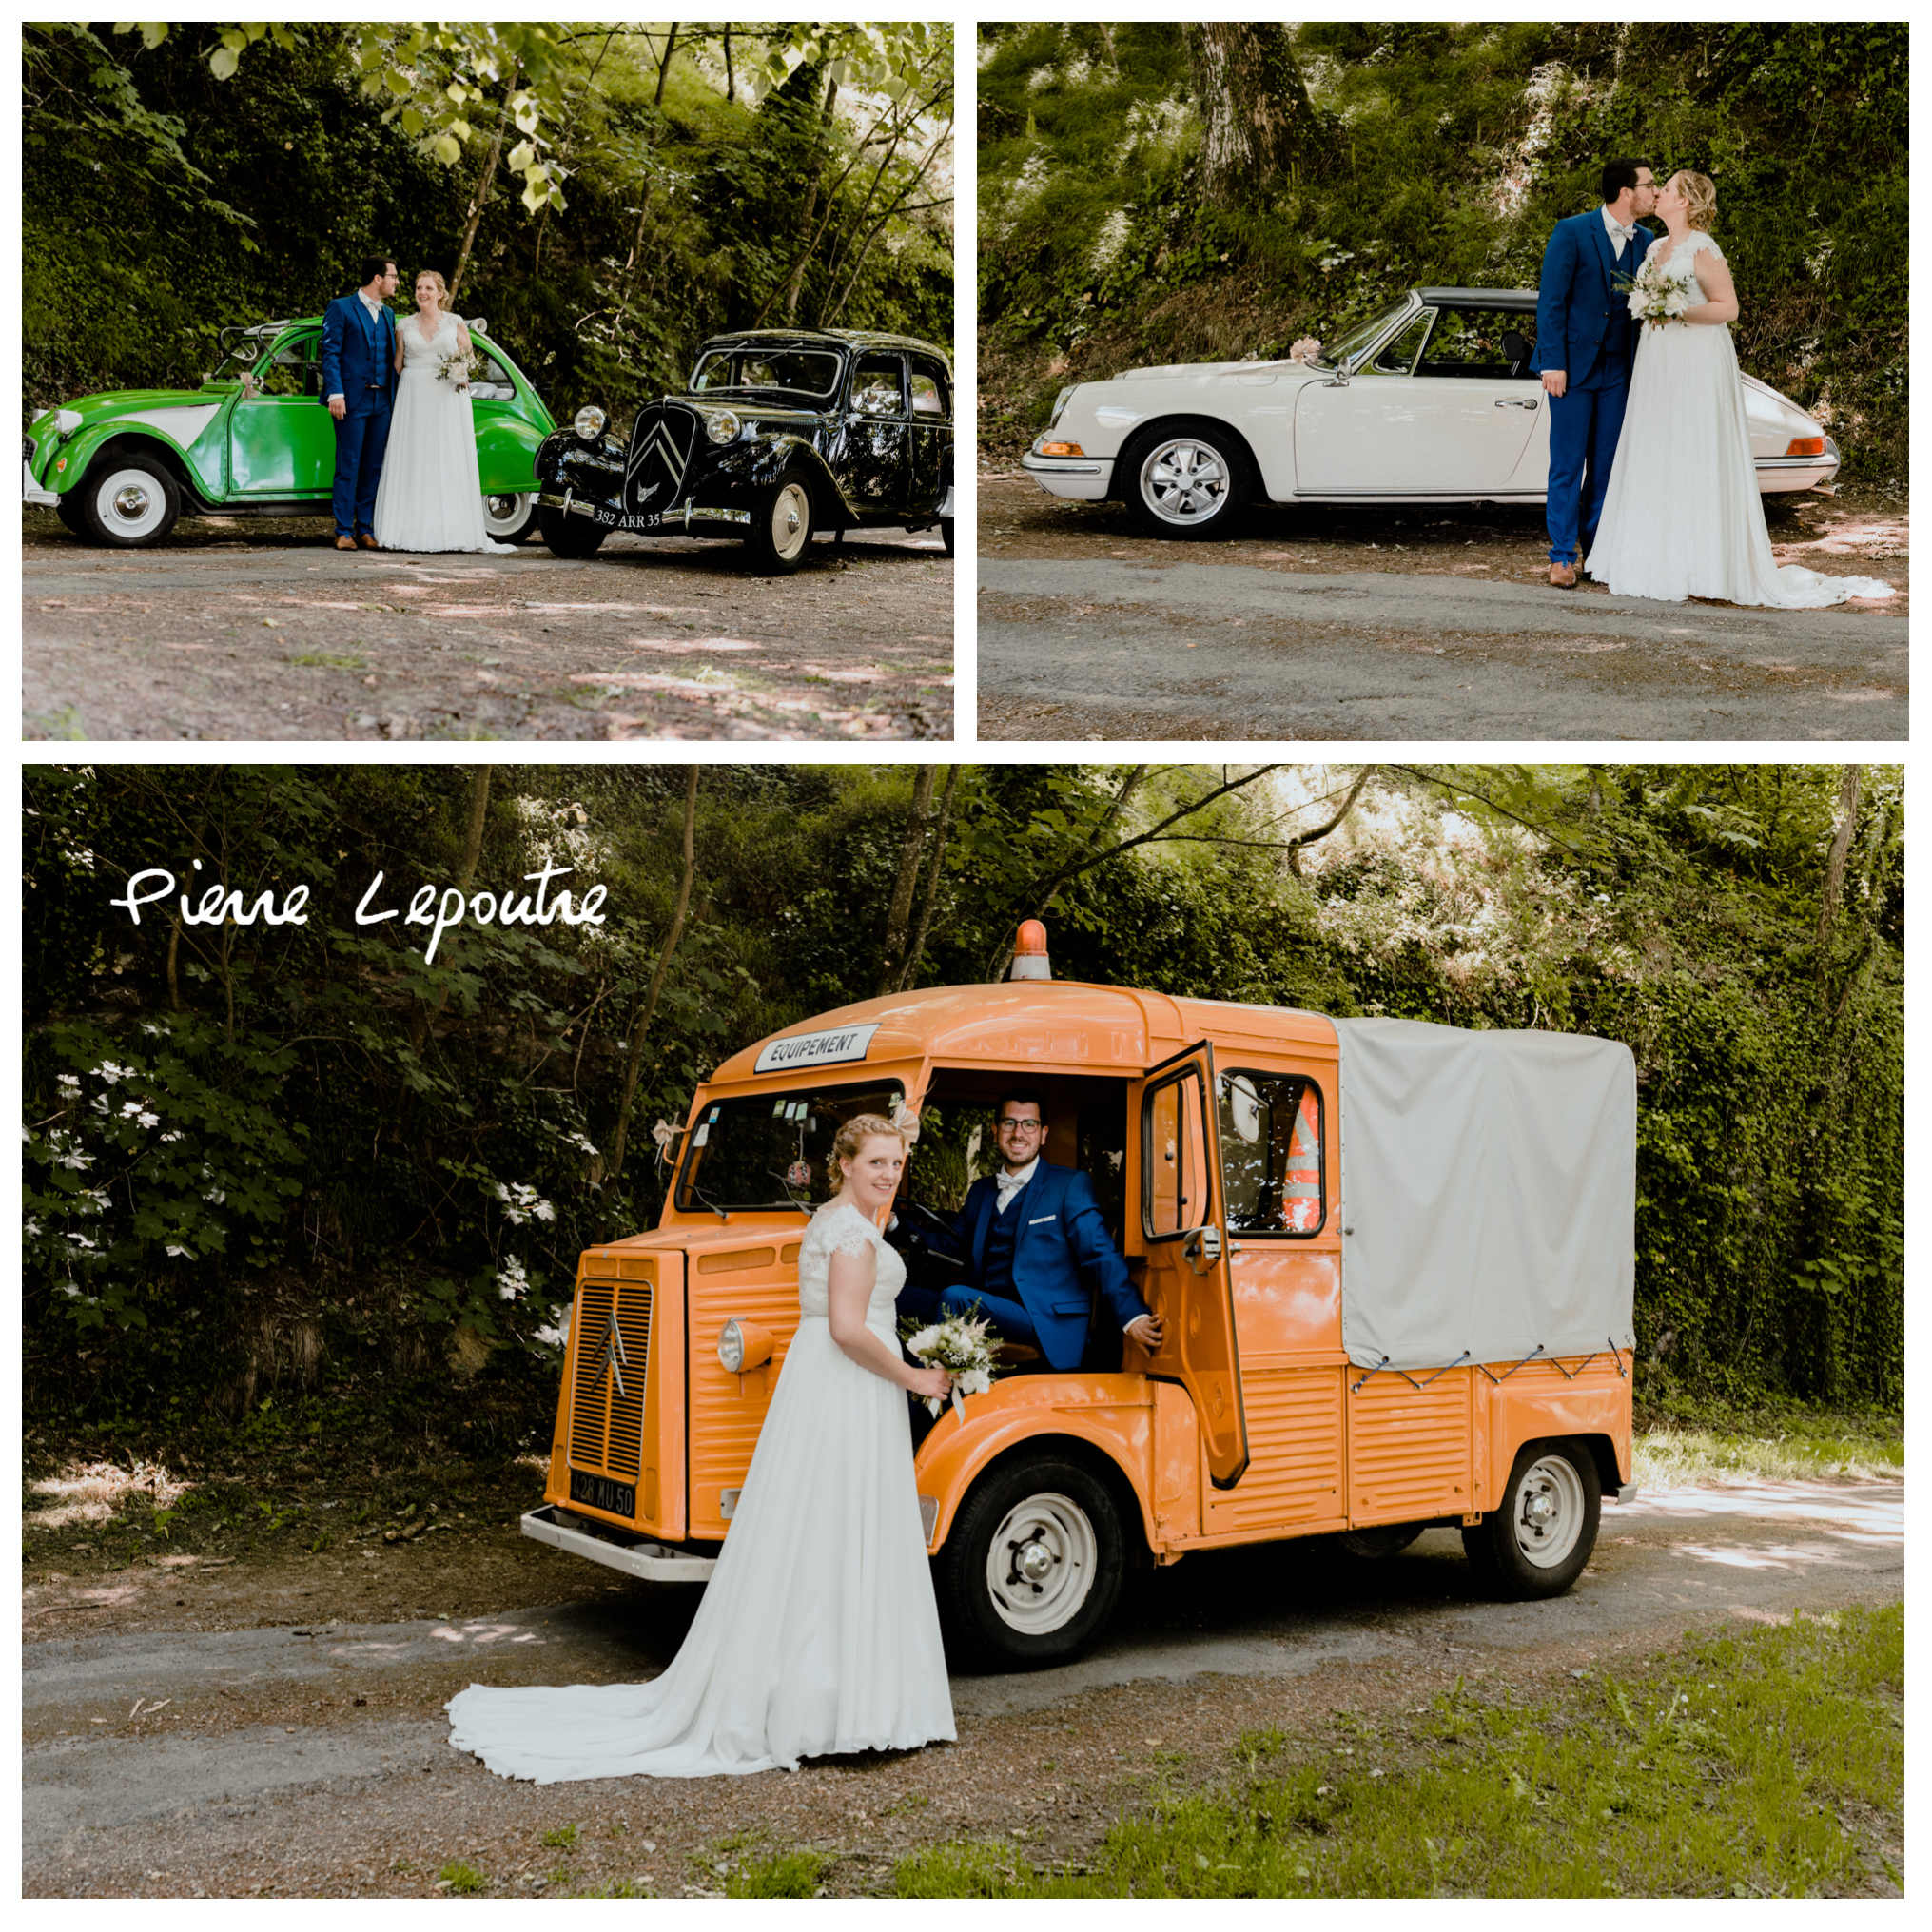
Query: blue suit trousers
pixel 1010 1321
pixel 1585 422
pixel 362 440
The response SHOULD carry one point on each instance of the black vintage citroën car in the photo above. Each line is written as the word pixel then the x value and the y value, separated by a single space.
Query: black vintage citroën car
pixel 782 432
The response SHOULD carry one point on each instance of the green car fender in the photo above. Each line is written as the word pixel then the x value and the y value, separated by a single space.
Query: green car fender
pixel 506 454
pixel 192 455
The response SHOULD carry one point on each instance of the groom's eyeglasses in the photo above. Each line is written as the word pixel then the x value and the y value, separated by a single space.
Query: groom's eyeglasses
pixel 1013 1126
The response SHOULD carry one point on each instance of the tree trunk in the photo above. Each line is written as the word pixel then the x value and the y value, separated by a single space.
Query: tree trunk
pixel 419 1022
pixel 1834 867
pixel 482 195
pixel 900 911
pixel 818 154
pixel 730 81
pixel 634 1060
pixel 664 66
pixel 1258 123
pixel 932 892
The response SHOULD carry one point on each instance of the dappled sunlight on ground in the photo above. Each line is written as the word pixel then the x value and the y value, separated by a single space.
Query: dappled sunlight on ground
pixel 95 1492
pixel 1866 1512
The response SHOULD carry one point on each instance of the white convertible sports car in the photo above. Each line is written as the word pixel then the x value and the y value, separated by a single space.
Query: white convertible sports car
pixel 1429 401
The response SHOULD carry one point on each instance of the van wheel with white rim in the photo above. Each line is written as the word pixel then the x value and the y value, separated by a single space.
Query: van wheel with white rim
pixel 1032 1568
pixel 130 501
pixel 780 532
pixel 509 515
pixel 1187 480
pixel 1538 1542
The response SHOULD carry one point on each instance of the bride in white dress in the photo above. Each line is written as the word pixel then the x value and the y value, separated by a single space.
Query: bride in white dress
pixel 430 495
pixel 1683 517
pixel 818 1630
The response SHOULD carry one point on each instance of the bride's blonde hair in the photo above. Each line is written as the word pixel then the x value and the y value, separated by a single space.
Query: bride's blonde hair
pixel 854 1135
pixel 1701 192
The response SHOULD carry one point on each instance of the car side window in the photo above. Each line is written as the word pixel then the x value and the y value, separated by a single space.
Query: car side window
pixel 1271 1152
pixel 1174 1168
pixel 295 369
pixel 1484 342
pixel 876 386
pixel 929 388
pixel 491 383
pixel 1398 359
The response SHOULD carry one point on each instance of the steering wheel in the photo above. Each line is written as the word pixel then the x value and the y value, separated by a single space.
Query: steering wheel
pixel 914 1215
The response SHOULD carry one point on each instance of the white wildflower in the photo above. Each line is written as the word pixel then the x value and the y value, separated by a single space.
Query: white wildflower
pixel 555 1333
pixel 511 1279
pixel 187 1254
pixel 216 1195
pixel 82 1241
pixel 110 1073
pixel 174 1134
pixel 70 1085
pixel 30 1226
pixel 146 1120
pixel 521 1202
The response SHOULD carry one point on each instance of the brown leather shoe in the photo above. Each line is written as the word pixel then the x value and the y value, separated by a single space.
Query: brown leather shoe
pixel 368 542
pixel 1563 576
pixel 345 543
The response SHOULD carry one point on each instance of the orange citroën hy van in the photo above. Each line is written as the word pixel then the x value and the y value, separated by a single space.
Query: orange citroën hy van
pixel 1392 1262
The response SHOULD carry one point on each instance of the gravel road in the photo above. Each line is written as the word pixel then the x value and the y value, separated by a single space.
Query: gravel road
pixel 1325 623
pixel 310 1758
pixel 226 632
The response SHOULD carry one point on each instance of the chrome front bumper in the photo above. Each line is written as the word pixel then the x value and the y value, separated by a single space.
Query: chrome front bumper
pixel 32 492
pixel 636 1558
pixel 681 516
pixel 1085 478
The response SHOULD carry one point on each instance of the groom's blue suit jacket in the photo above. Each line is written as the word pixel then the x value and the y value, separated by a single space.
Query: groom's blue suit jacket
pixel 1577 305
pixel 1061 1233
pixel 357 349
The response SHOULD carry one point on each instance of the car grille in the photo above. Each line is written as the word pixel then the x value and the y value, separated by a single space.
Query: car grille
pixel 613 1334
pixel 662 443
pixel 31 449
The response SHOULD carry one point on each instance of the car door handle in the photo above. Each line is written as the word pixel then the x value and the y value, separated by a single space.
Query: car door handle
pixel 1517 401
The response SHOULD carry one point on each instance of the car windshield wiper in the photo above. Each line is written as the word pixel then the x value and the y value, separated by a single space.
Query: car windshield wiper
pixel 802 1207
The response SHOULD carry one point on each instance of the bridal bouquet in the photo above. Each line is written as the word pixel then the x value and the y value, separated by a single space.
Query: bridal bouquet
pixel 959 1345
pixel 1656 297
pixel 458 367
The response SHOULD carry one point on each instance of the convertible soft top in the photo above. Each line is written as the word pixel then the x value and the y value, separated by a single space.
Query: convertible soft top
pixel 1489 1186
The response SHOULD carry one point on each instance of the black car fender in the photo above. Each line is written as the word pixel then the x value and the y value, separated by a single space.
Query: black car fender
pixel 760 460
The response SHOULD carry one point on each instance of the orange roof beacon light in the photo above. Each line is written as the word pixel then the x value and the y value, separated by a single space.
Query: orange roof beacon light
pixel 1426 1326
pixel 1030 953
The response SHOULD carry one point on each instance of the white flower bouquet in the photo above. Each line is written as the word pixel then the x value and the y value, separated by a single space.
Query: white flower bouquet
pixel 458 367
pixel 961 1345
pixel 1657 298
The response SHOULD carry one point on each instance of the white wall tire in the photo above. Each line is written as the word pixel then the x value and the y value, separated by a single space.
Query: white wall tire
pixel 509 515
pixel 131 502
pixel 1538 1542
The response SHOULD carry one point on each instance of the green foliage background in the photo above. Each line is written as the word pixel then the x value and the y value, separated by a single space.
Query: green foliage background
pixel 161 205
pixel 304 1156
pixel 1097 251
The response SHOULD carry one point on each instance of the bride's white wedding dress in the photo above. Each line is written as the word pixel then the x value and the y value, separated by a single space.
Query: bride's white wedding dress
pixel 1682 517
pixel 430 495
pixel 818 1630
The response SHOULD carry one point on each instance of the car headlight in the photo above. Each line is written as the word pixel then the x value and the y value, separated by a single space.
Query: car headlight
pixel 722 426
pixel 1060 403
pixel 68 422
pixel 743 1346
pixel 589 423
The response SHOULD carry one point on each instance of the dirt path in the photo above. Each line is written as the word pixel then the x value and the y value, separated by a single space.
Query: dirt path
pixel 264 631
pixel 1410 622
pixel 265 1725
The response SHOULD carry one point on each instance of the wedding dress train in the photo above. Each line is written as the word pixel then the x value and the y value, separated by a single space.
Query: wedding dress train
pixel 431 496
pixel 818 1631
pixel 1683 517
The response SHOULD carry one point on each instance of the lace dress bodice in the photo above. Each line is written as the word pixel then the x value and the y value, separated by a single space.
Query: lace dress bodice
pixel 1682 266
pixel 838 1228
pixel 425 358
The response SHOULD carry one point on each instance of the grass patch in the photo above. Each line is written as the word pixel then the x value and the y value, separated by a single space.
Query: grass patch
pixel 562 1839
pixel 750 1869
pixel 330 661
pixel 1767 1764
pixel 1682 1439
pixel 462 1880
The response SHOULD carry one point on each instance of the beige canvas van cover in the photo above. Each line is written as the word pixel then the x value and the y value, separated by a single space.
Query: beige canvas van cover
pixel 1489 1193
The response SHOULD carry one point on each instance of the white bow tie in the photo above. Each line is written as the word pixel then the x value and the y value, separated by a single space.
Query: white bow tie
pixel 1623 234
pixel 1008 1184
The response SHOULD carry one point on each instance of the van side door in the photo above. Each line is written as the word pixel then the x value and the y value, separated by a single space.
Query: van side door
pixel 1183 1222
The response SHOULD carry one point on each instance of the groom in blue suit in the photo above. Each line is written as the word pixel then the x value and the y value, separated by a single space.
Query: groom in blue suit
pixel 1029 1234
pixel 358 384
pixel 1586 339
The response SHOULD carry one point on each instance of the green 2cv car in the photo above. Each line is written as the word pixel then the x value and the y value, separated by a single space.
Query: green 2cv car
pixel 255 439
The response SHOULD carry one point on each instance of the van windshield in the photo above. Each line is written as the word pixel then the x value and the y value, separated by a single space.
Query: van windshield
pixel 772 1149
